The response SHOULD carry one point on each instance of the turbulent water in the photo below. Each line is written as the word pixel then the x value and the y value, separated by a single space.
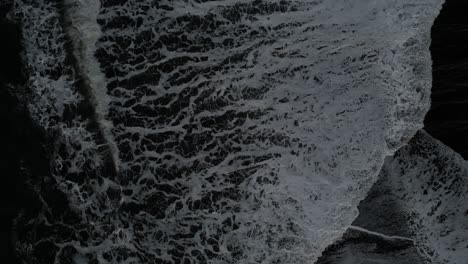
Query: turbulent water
pixel 421 194
pixel 430 185
pixel 215 131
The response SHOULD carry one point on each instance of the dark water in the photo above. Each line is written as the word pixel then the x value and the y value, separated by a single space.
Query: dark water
pixel 20 141
pixel 447 119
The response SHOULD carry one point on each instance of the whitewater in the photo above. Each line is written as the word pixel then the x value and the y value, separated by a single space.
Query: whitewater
pixel 217 131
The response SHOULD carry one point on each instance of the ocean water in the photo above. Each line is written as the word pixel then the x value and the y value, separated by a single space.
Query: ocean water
pixel 215 131
pixel 446 120
pixel 419 193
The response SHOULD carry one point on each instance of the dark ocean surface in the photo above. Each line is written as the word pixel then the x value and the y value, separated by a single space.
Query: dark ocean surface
pixel 447 119
pixel 22 157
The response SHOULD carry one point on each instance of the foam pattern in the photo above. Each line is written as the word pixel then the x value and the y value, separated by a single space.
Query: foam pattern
pixel 427 180
pixel 240 131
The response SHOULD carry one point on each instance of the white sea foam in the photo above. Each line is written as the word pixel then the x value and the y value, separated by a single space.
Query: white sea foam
pixel 84 32
pixel 51 82
pixel 428 181
pixel 348 83
pixel 257 126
